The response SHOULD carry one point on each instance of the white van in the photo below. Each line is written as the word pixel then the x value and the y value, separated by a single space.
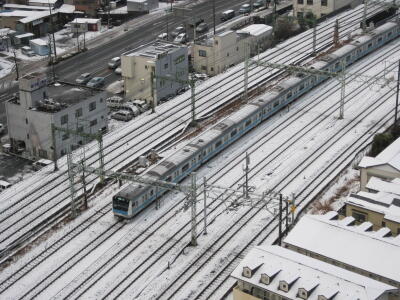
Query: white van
pixel 115 102
pixel 122 115
pixel 4 185
pixel 41 163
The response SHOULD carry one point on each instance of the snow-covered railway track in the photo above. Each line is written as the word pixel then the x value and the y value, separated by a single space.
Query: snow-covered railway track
pixel 154 259
pixel 25 208
pixel 211 254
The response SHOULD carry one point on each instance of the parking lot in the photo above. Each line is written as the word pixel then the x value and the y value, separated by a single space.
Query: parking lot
pixel 13 169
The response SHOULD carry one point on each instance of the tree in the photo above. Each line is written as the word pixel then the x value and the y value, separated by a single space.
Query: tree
pixel 380 142
pixel 285 28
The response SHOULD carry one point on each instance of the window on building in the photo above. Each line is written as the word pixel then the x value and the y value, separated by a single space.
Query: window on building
pixel 227 54
pixel 80 129
pixel 26 120
pixel 359 216
pixel 204 68
pixel 165 66
pixel 42 153
pixel 64 119
pixel 203 53
pixel 78 112
pixel 146 67
pixel 212 69
pixel 92 106
pixel 300 14
pixel 383 224
pixel 310 2
pixel 93 122
pixel 300 1
pixel 237 48
pixel 324 2
pixel 65 136
pixel 27 136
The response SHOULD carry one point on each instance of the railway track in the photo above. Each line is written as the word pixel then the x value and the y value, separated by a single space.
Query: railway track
pixel 24 230
pixel 217 247
pixel 137 270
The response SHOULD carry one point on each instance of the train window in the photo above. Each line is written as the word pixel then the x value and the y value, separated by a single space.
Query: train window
pixel 276 103
pixel 185 167
pixel 199 157
pixel 288 95
pixel 348 58
pixel 301 86
pixel 337 65
pixel 169 178
pixel 389 34
pixel 248 122
pixel 217 144
pixel 204 153
pixel 151 193
pixel 379 39
pixel 369 45
pixel 234 131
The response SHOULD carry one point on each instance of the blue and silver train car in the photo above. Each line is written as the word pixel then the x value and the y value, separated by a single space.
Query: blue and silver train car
pixel 132 199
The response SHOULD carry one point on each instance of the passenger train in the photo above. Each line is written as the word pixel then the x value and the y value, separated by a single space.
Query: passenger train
pixel 132 198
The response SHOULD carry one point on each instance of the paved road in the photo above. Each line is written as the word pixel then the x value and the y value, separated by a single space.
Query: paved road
pixel 95 60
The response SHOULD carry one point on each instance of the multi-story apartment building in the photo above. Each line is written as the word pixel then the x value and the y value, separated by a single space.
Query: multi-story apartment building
pixel 214 55
pixel 320 8
pixel 31 115
pixel 163 59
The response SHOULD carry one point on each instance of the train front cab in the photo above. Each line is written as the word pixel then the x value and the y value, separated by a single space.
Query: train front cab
pixel 122 207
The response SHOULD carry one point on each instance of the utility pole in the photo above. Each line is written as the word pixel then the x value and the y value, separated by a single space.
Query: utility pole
pixel 153 85
pixel 246 71
pixel 214 22
pixel 166 17
pixel 364 21
pixel 193 199
pixel 53 139
pixel 193 101
pixel 16 64
pixel 85 203
pixel 397 95
pixel 77 35
pixel 246 176
pixel 84 37
pixel 293 207
pixel 71 176
pixel 280 221
pixel 342 91
pixel 287 216
pixel 205 205
pixel 52 33
pixel 336 33
pixel 314 44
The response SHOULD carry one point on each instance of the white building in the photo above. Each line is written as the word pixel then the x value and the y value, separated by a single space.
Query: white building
pixel 386 165
pixel 164 59
pixel 374 254
pixel 80 25
pixel 30 116
pixel 320 8
pixel 141 5
pixel 214 55
pixel 273 272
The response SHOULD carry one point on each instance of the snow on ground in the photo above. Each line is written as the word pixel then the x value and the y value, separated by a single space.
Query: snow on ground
pixel 269 175
pixel 5 67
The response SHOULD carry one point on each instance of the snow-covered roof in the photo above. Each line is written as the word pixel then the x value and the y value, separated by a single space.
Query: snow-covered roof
pixel 45 2
pixel 38 42
pixel 255 29
pixel 16 13
pixel 36 15
pixel 349 244
pixel 137 1
pixel 67 9
pixel 390 156
pixel 85 20
pixel 316 277
pixel 377 184
pixel 26 7
pixel 24 35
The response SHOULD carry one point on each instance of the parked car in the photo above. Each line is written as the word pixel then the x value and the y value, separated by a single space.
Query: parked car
pixel 118 71
pixel 177 31
pixel 83 78
pixel 4 185
pixel 26 50
pixel 141 104
pixel 96 82
pixel 131 108
pixel 114 62
pixel 41 163
pixel 193 22
pixel 122 115
pixel 181 38
pixel 162 36
pixel 115 102
pixel 259 4
pixel 245 9
pixel 2 128
pixel 227 15
pixel 202 27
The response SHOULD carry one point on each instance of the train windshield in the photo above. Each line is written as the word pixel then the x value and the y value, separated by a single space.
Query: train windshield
pixel 120 203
